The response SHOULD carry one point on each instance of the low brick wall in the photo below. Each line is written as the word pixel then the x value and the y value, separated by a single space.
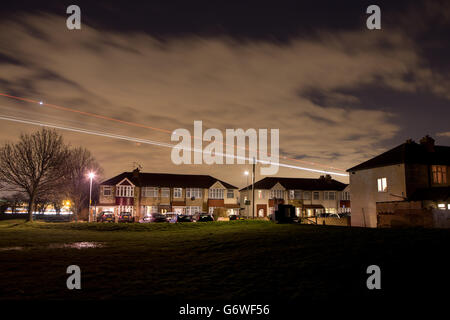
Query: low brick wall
pixel 333 221
pixel 329 221
pixel 406 218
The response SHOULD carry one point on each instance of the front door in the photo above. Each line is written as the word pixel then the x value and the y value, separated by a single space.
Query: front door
pixel 261 210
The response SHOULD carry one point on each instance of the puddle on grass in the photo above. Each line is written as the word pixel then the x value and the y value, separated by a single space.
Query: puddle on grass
pixel 73 245
pixel 10 248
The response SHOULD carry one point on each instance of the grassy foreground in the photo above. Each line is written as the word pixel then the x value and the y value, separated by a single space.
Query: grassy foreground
pixel 220 261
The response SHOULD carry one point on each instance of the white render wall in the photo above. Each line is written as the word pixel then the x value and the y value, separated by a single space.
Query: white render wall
pixel 364 192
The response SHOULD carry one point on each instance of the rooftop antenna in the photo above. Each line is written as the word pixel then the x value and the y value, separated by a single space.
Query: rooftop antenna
pixel 137 165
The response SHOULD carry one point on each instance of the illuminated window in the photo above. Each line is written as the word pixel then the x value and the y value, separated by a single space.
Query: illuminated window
pixel 441 206
pixel 382 184
pixel 260 194
pixel 439 174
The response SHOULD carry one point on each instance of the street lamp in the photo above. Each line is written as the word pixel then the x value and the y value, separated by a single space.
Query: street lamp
pixel 246 201
pixel 91 176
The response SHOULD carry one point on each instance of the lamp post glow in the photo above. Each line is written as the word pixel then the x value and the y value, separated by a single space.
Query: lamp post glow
pixel 91 176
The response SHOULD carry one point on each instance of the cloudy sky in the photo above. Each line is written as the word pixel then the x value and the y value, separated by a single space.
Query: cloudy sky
pixel 338 92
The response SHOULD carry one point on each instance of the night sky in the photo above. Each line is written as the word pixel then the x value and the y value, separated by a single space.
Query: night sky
pixel 338 92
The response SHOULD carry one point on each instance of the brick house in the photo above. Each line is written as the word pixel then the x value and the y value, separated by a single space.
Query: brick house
pixel 309 196
pixel 143 193
pixel 411 176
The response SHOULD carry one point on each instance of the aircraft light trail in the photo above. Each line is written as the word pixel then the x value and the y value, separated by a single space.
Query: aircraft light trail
pixel 152 142
pixel 98 116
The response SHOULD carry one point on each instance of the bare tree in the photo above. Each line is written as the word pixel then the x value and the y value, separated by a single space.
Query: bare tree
pixel 80 163
pixel 35 165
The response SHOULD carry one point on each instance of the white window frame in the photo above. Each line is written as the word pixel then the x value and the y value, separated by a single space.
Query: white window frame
pixel 194 192
pixel 230 192
pixel 150 192
pixel 110 189
pixel 382 184
pixel 165 192
pixel 178 193
pixel 126 191
pixel 329 195
pixel 216 193
pixel 276 193
pixel 295 194
pixel 307 193
pixel 192 210
pixel 314 195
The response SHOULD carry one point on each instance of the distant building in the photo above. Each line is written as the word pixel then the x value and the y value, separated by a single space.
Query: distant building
pixel 309 196
pixel 411 176
pixel 143 193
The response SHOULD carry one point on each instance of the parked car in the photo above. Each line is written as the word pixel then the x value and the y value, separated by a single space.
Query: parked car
pixel 171 217
pixel 185 218
pixel 154 217
pixel 126 217
pixel 236 217
pixel 105 216
pixel 205 218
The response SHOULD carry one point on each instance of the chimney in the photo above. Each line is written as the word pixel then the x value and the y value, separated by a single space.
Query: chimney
pixel 136 173
pixel 428 143
pixel 328 177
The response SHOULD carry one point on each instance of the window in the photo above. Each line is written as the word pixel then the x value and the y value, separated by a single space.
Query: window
pixel 276 194
pixel 177 192
pixel 192 210
pixel 216 193
pixel 316 195
pixel 230 193
pixel 441 206
pixel 307 195
pixel 439 174
pixel 150 192
pixel 165 192
pixel 295 194
pixel 107 191
pixel 193 193
pixel 211 210
pixel 125 191
pixel 345 195
pixel 329 195
pixel 382 185
pixel 260 194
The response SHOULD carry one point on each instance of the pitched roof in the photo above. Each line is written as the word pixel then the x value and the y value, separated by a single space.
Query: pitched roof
pixel 144 179
pixel 300 184
pixel 410 153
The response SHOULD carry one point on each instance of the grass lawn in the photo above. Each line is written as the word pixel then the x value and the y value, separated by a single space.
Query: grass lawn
pixel 220 261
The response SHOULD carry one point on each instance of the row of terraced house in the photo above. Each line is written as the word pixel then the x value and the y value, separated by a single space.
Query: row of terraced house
pixel 143 193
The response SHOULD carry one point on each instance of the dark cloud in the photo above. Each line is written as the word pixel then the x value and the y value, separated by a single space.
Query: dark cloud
pixel 315 88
